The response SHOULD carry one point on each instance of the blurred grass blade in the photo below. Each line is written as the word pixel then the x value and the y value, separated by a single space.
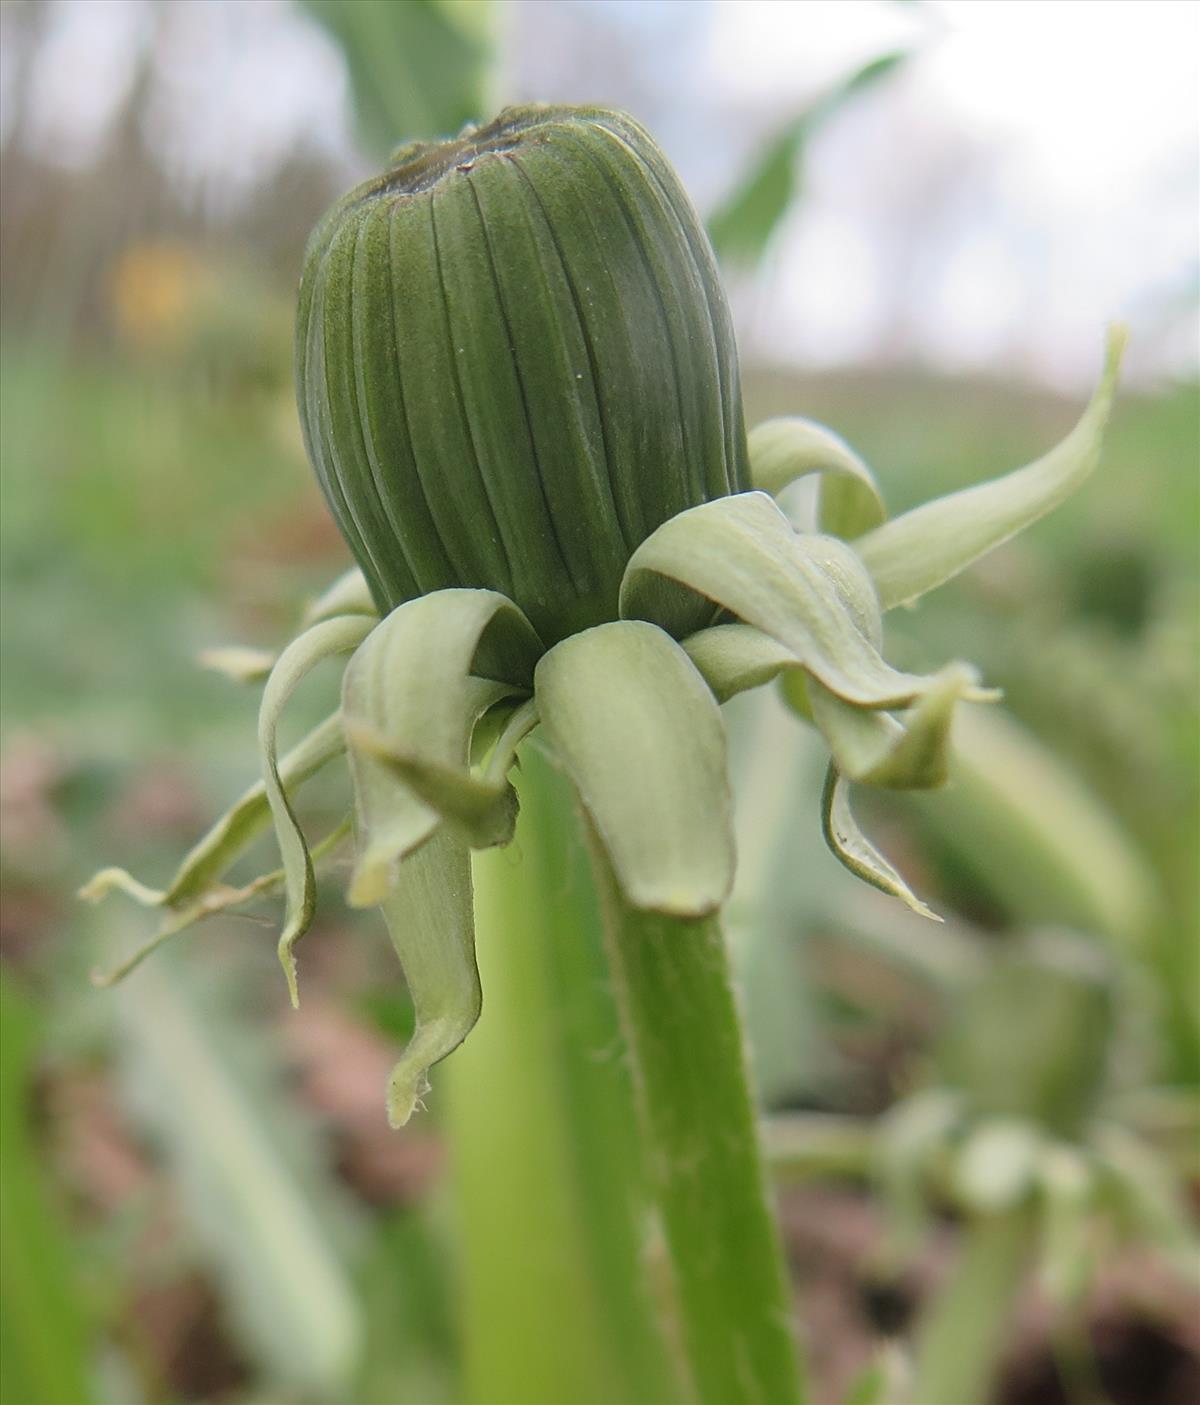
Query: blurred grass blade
pixel 1014 807
pixel 411 698
pixel 411 1311
pixel 908 1136
pixel 882 1382
pixel 819 1146
pixel 789 449
pixel 1149 1199
pixel 430 916
pixel 44 1347
pixel 852 848
pixel 264 1215
pixel 922 549
pixel 782 893
pixel 642 739
pixel 741 227
pixel 965 1328
pixel 1067 1253
pixel 322 641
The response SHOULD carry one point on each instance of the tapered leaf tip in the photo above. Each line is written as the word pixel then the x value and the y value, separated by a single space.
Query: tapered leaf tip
pixel 287 959
pixel 924 548
pixel 406 1087
pixel 1116 338
pixel 102 883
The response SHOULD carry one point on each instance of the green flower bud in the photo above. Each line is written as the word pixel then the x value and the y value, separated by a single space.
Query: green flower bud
pixel 515 361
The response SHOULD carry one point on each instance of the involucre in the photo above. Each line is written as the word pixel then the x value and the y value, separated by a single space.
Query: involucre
pixel 515 361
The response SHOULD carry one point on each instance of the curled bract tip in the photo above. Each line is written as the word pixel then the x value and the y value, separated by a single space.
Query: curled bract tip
pixel 922 549
pixel 430 916
pixel 287 959
pixel 98 887
pixel 239 662
pixel 407 1086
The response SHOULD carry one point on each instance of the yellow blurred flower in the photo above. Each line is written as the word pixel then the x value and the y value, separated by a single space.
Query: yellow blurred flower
pixel 154 287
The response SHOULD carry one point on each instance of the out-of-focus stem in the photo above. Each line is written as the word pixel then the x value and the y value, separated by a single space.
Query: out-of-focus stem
pixel 962 1335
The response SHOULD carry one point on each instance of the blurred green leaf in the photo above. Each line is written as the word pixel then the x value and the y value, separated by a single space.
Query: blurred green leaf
pixel 410 1328
pixel 417 69
pixel 779 893
pixel 741 227
pixel 1060 988
pixel 265 1217
pixel 1034 836
pixel 43 1325
pixel 1152 1203
pixel 869 1387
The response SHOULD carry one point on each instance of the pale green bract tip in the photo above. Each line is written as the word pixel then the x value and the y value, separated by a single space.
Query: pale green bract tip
pixel 341 635
pixel 633 724
pixel 924 548
pixel 239 662
pixel 786 450
pixel 856 851
pixel 98 887
pixel 430 916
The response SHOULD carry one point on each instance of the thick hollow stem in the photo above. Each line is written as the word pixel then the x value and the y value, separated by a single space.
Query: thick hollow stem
pixel 680 1019
pixel 556 1306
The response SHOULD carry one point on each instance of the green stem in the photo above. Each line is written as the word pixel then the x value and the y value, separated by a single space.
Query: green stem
pixel 684 1038
pixel 556 1309
pixel 962 1336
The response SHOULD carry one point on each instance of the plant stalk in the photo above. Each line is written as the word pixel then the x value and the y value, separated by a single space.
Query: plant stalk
pixel 962 1336
pixel 684 1042
pixel 547 1169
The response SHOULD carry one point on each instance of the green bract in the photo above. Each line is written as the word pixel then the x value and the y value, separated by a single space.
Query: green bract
pixel 519 390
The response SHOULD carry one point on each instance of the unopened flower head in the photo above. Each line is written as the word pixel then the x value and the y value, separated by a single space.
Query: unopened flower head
pixel 514 361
